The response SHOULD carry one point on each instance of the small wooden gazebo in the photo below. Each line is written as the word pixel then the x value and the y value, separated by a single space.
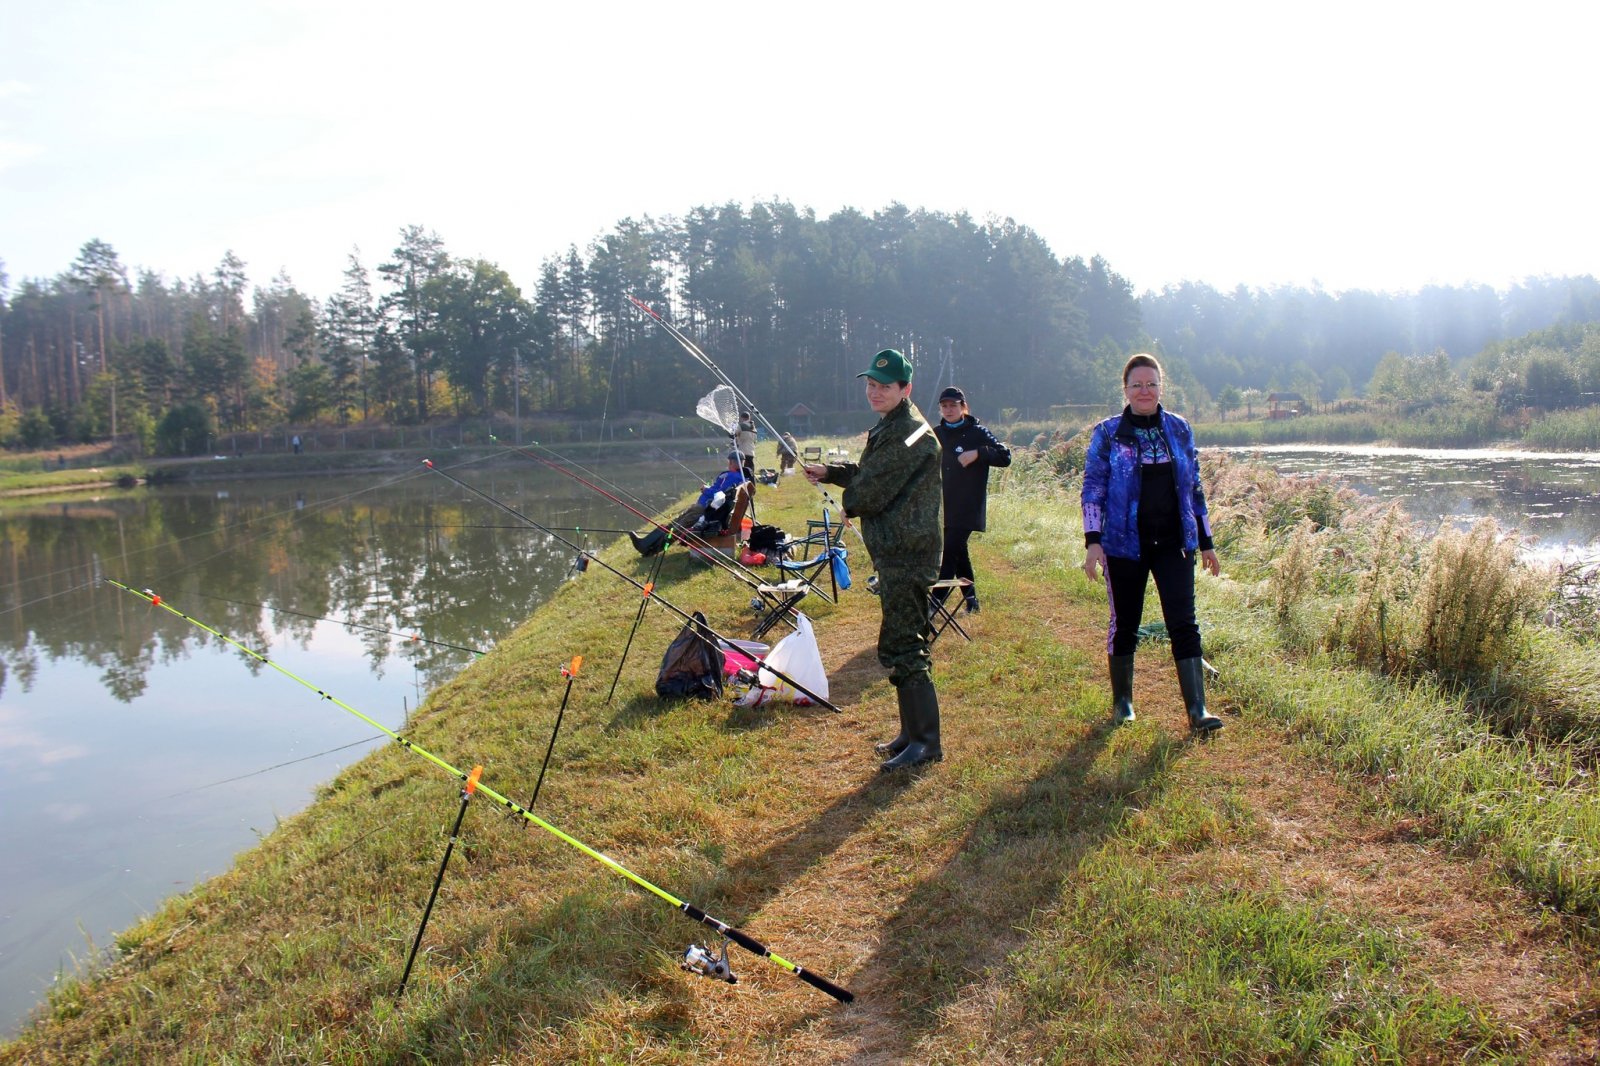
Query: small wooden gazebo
pixel 800 419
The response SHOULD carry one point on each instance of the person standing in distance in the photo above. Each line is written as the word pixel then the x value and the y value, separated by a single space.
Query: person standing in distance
pixel 894 489
pixel 969 450
pixel 744 442
pixel 1144 516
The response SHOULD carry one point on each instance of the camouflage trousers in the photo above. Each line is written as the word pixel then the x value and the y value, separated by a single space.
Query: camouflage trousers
pixel 903 636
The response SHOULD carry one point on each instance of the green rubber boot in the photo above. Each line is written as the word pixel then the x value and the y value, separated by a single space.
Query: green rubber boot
pixel 922 716
pixel 898 744
pixel 1192 682
pixel 1121 688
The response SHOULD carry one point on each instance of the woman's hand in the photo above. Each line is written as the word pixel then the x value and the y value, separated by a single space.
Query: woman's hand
pixel 967 458
pixel 814 473
pixel 1094 559
pixel 1208 559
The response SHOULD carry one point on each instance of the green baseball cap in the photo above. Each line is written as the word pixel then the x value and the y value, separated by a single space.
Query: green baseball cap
pixel 888 367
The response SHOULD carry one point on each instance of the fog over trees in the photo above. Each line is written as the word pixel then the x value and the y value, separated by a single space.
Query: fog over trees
pixel 788 303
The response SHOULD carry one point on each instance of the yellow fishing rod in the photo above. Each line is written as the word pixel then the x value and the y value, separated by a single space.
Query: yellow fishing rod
pixel 695 959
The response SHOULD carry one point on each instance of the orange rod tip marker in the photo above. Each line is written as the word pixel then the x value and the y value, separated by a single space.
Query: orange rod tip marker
pixel 472 780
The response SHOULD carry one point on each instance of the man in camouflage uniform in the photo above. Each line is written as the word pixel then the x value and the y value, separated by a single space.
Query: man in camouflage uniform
pixel 895 490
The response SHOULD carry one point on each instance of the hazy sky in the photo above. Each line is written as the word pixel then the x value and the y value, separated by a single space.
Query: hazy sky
pixel 1383 146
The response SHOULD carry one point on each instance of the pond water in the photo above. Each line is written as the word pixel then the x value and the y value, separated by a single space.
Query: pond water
pixel 1552 496
pixel 138 754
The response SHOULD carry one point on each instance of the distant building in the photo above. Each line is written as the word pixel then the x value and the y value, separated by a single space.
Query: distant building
pixel 1285 405
pixel 800 419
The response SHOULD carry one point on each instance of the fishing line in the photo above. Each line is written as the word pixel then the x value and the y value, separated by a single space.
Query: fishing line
pixel 701 627
pixel 673 458
pixel 684 536
pixel 415 638
pixel 738 936
pixel 490 525
pixel 267 769
pixel 704 360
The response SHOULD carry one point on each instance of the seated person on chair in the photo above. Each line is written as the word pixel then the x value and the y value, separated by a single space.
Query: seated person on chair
pixel 719 497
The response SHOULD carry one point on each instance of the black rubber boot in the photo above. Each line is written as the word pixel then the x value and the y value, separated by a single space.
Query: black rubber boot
pixel 922 718
pixel 1121 688
pixel 1192 681
pixel 898 744
pixel 972 603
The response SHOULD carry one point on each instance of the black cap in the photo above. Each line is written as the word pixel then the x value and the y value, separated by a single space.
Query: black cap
pixel 952 393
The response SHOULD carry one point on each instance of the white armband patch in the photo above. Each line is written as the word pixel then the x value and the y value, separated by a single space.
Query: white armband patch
pixel 925 428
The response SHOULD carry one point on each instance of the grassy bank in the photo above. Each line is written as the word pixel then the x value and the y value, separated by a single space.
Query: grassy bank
pixel 1441 428
pixel 1384 857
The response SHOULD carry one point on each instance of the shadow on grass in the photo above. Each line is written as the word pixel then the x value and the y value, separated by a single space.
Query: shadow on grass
pixel 751 883
pixel 861 671
pixel 963 919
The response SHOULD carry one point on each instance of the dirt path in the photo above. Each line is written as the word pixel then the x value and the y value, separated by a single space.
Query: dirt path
pixel 1475 936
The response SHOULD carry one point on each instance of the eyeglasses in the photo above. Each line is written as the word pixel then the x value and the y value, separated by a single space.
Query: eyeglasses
pixel 1134 386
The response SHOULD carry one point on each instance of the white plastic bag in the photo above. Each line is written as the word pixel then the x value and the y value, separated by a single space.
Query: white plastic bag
pixel 800 660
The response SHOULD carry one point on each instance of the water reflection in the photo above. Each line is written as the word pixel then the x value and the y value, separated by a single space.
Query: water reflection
pixel 138 754
pixel 1554 496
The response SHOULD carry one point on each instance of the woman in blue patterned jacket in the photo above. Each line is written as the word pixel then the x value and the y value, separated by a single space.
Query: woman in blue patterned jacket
pixel 1144 516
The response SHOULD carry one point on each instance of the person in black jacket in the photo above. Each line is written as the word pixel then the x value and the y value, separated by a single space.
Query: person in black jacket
pixel 969 450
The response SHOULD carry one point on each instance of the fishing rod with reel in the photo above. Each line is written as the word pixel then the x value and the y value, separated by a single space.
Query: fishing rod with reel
pixel 479 788
pixel 705 360
pixel 704 630
pixel 687 537
pixel 699 356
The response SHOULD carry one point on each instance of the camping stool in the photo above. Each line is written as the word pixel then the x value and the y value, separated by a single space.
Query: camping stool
pixel 941 615
pixel 780 601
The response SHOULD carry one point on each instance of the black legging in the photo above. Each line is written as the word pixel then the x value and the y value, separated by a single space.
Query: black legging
pixel 1126 580
pixel 957 561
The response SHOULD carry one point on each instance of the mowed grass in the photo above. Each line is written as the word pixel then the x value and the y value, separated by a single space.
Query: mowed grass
pixel 1055 891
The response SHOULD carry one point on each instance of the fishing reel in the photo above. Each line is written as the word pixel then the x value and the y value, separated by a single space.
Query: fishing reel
pixel 697 959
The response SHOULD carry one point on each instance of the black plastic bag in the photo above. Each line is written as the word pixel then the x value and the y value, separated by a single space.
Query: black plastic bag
pixel 766 538
pixel 693 664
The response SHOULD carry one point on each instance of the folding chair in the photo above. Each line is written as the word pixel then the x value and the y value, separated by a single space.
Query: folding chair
pixel 941 615
pixel 809 572
pixel 811 453
pixel 820 533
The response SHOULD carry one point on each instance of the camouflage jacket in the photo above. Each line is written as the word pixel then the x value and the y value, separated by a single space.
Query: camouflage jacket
pixel 894 488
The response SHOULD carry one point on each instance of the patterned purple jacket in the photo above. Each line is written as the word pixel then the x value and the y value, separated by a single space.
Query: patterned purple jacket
pixel 1111 482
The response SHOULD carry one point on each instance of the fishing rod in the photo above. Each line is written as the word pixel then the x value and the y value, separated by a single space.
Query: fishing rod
pixel 684 536
pixel 699 356
pixel 415 638
pixel 490 525
pixel 700 626
pixel 705 360
pixel 691 958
